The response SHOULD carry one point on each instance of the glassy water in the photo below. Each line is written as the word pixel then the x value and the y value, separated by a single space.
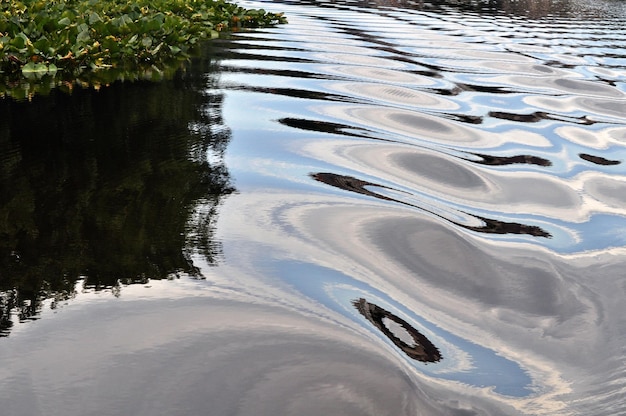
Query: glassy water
pixel 427 219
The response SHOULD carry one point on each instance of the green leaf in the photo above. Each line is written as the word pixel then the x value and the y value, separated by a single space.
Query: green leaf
pixel 34 70
pixel 125 20
pixel 83 36
pixel 20 41
pixel 111 33
pixel 42 45
pixel 94 18
pixel 157 49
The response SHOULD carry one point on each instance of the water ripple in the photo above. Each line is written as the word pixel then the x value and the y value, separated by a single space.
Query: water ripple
pixel 486 225
pixel 449 177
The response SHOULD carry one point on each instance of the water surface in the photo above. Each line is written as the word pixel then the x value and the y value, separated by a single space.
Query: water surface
pixel 428 219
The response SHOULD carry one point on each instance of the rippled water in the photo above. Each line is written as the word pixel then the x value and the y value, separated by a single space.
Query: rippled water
pixel 429 219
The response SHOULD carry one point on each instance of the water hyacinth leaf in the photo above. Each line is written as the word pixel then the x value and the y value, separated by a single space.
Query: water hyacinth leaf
pixel 64 22
pixel 34 70
pixel 125 20
pixel 111 44
pixel 43 45
pixel 152 23
pixel 73 37
pixel 83 36
pixel 20 41
pixel 68 13
pixel 94 18
pixel 157 49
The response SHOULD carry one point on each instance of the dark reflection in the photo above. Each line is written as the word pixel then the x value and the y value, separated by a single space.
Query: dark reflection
pixel 524 118
pixel 490 226
pixel 510 160
pixel 353 131
pixel 464 118
pixel 538 116
pixel 598 160
pixel 298 93
pixel 102 185
pixel 323 127
pixel 530 8
pixel 420 348
pixel 289 73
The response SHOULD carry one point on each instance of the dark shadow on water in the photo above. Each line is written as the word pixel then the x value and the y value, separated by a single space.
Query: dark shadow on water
pixel 111 187
pixel 533 9
pixel 491 160
pixel 598 160
pixel 490 226
pixel 353 131
pixel 538 116
pixel 418 347
pixel 325 127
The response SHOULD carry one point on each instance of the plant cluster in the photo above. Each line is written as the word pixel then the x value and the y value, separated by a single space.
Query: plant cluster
pixel 72 37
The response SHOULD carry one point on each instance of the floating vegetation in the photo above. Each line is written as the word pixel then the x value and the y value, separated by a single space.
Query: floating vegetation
pixel 50 43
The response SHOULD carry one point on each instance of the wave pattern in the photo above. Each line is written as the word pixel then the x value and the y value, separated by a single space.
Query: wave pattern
pixel 429 218
pixel 464 89
pixel 460 166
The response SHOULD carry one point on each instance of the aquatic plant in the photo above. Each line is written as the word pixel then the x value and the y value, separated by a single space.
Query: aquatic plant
pixel 44 40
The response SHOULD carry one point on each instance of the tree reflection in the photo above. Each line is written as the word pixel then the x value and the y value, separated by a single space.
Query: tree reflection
pixel 489 225
pixel 113 186
pixel 418 347
pixel 535 9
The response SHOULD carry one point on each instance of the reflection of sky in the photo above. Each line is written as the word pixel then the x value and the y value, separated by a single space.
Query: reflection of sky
pixel 598 231
pixel 536 321
pixel 336 291
pixel 400 124
pixel 553 140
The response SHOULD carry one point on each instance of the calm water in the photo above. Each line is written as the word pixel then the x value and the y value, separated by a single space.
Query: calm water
pixel 382 208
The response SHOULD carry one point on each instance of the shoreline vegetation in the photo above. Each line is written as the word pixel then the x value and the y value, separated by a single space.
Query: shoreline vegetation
pixel 60 43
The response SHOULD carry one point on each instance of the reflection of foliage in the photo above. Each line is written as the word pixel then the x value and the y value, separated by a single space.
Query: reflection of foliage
pixel 419 347
pixel 488 226
pixel 102 185
pixel 531 8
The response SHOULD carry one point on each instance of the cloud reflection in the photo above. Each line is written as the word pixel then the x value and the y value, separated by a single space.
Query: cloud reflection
pixel 208 353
